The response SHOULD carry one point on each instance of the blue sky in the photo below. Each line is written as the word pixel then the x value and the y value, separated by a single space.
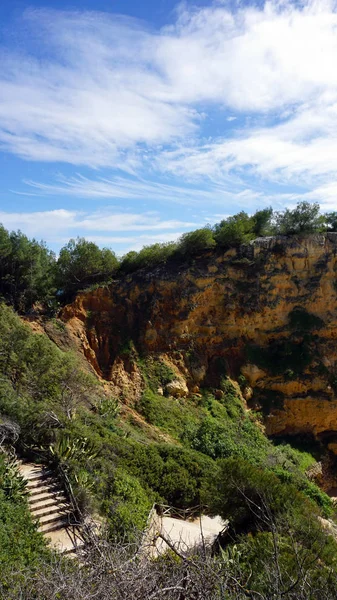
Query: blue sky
pixel 132 122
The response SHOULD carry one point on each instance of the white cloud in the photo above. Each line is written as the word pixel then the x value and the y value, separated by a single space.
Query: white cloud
pixel 252 59
pixel 134 242
pixel 100 225
pixel 300 151
pixel 108 91
pixel 98 100
pixel 121 187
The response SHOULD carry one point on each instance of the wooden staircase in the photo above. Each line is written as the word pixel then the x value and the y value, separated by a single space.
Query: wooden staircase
pixel 50 507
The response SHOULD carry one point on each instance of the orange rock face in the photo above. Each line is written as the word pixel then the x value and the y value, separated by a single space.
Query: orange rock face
pixel 202 315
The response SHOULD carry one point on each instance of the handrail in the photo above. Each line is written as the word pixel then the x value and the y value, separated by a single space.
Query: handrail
pixel 180 513
pixel 65 480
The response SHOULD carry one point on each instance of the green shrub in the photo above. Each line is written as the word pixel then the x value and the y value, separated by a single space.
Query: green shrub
pixel 128 507
pixel 234 230
pixel 156 372
pixel 147 257
pixel 196 241
pixel 303 219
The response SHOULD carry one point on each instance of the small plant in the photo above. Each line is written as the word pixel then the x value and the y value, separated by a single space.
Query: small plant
pixel 13 483
pixel 108 408
pixel 156 373
pixel 242 381
pixel 227 386
pixel 67 448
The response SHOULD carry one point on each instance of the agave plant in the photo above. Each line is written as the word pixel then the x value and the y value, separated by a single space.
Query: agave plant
pixel 66 448
pixel 108 408
pixel 14 484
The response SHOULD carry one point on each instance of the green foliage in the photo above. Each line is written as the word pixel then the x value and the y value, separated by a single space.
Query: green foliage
pixel 230 437
pixel 26 270
pixel 331 221
pixel 147 257
pixel 227 386
pixel 156 372
pixel 65 448
pixel 13 484
pixel 262 222
pixel 284 531
pixel 29 272
pixel 196 241
pixel 234 230
pixel 108 408
pixel 239 487
pixel 40 386
pixel 303 219
pixel 128 507
pixel 292 566
pixel 172 416
pixel 57 405
pixel 82 263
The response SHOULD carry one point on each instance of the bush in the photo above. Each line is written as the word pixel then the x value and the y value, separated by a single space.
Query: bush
pixel 234 230
pixel 196 241
pixel 303 219
pixel 241 492
pixel 128 507
pixel 156 372
pixel 148 257
pixel 26 270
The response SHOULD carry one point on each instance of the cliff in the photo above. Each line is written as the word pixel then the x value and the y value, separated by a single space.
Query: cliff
pixel 266 311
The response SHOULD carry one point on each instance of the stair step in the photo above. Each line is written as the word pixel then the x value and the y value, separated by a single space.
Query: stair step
pixel 43 481
pixel 53 526
pixel 38 474
pixel 52 509
pixel 44 489
pixel 58 513
pixel 46 498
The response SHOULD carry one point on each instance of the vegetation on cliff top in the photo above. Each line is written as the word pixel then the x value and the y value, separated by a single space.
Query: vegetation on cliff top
pixel 30 273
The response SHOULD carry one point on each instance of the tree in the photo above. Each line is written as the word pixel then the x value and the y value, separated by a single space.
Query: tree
pixel 235 230
pixel 262 222
pixel 82 263
pixel 331 221
pixel 196 241
pixel 27 270
pixel 303 219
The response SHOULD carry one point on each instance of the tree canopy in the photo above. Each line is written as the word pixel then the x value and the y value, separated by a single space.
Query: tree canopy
pixel 82 263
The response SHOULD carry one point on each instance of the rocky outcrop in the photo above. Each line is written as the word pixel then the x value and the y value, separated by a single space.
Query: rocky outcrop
pixel 177 389
pixel 266 310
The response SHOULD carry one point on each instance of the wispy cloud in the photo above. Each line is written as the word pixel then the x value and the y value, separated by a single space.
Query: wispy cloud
pixel 230 191
pixel 120 187
pixel 103 225
pixel 100 90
